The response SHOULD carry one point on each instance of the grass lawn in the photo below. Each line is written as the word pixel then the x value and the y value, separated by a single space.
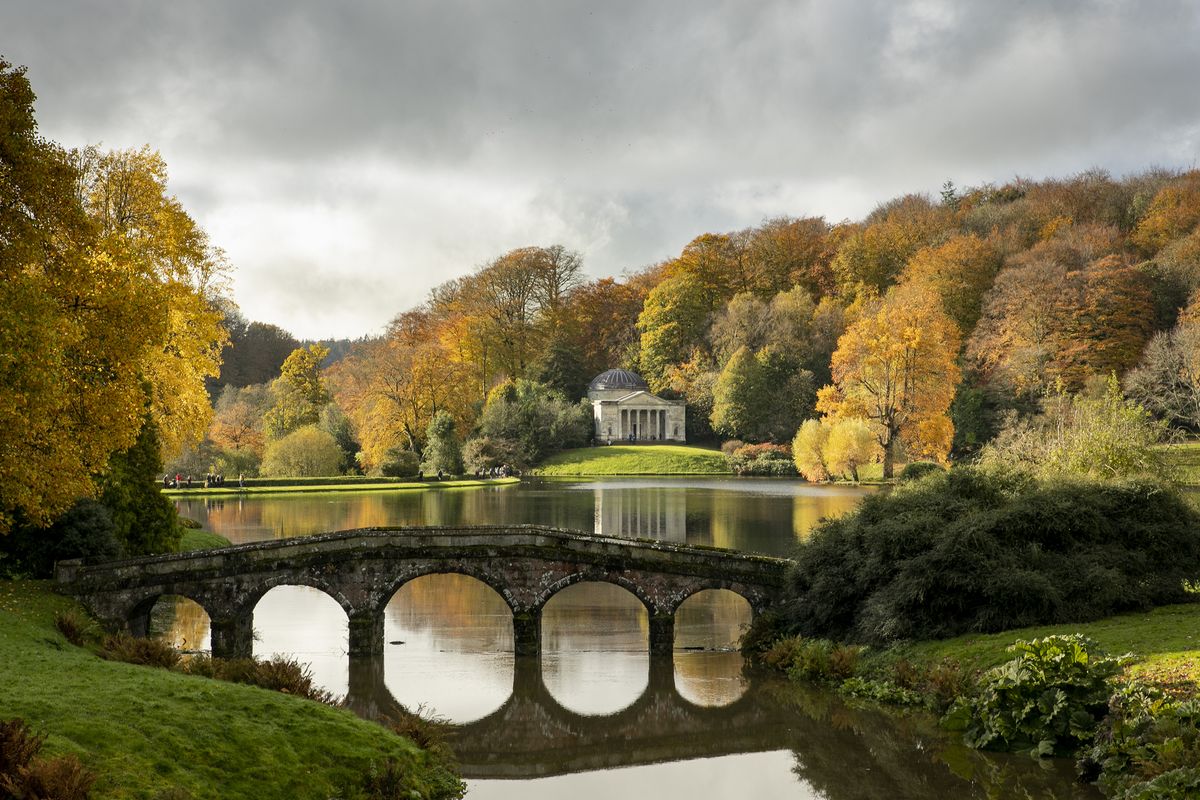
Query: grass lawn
pixel 1166 641
pixel 647 459
pixel 1184 459
pixel 229 491
pixel 148 732
pixel 194 539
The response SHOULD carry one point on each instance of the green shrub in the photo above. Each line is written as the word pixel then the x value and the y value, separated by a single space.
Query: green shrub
pixel 190 524
pixel 305 452
pixel 278 674
pixel 771 460
pixel 816 660
pixel 400 463
pixel 972 550
pixel 1148 747
pixel 1049 699
pixel 879 691
pixel 915 470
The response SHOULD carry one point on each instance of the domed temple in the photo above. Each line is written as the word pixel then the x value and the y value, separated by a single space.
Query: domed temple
pixel 625 411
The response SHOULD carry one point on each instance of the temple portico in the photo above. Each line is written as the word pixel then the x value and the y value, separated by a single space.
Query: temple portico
pixel 625 410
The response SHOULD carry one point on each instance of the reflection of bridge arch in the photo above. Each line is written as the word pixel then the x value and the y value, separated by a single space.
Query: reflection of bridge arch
pixel 532 734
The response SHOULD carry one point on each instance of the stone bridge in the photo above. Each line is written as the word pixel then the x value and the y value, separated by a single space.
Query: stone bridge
pixel 361 569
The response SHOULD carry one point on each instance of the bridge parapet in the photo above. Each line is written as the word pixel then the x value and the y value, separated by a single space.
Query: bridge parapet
pixel 363 568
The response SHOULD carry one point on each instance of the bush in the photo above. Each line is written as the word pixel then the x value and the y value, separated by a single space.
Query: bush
pixel 731 446
pixel 773 460
pixel 1148 747
pixel 400 463
pixel 23 775
pixel 75 628
pixel 486 452
pixel 85 531
pixel 916 470
pixel 971 550
pixel 279 674
pixel 307 452
pixel 534 422
pixel 143 651
pixel 1049 699
pixel 816 660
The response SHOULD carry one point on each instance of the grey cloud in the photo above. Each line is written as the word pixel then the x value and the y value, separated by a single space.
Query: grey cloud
pixel 455 130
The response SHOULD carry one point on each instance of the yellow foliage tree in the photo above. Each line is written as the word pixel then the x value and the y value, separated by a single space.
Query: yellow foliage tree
pixel 896 366
pixel 146 230
pixel 89 314
pixel 959 271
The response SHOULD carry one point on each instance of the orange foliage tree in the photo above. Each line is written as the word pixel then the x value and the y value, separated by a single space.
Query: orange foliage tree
pixel 896 367
pixel 959 271
pixel 1173 212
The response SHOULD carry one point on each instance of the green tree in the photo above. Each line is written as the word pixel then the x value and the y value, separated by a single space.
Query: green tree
pixel 673 320
pixel 442 449
pixel 1096 433
pixel 306 452
pixel 144 519
pixel 299 392
pixel 536 419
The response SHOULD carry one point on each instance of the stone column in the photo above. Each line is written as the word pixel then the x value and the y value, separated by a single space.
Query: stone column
pixel 233 635
pixel 662 634
pixel 366 633
pixel 527 632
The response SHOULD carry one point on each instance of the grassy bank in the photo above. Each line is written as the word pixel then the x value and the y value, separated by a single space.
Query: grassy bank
pixel 194 539
pixel 302 487
pixel 661 459
pixel 1165 641
pixel 152 733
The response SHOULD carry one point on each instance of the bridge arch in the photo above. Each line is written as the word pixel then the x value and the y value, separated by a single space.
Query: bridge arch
pixel 309 581
pixel 752 598
pixel 484 576
pixel 596 576
pixel 137 616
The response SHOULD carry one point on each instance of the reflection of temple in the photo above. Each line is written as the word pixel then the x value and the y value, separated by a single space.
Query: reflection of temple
pixel 642 513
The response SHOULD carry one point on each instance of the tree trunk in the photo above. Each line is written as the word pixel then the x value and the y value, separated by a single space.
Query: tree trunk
pixel 889 458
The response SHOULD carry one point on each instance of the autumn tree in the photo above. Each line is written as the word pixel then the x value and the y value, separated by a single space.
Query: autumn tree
pixel 786 252
pixel 1174 212
pixel 602 323
pixel 959 271
pixel 237 424
pixel 849 445
pixel 299 392
pixel 808 450
pixel 91 317
pixel 392 387
pixel 873 256
pixel 139 224
pixel 896 367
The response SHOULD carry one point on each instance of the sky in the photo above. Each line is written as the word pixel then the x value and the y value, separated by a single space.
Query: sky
pixel 349 156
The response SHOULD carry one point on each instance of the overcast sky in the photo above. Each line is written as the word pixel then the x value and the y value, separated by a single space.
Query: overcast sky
pixel 348 156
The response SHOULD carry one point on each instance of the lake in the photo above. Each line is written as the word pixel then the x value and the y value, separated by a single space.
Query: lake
pixel 595 716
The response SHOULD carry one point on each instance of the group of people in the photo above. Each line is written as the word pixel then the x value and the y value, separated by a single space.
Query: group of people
pixel 504 471
pixel 212 479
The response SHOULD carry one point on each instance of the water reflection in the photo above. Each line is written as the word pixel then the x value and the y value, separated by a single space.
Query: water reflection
pixel 595 647
pixel 306 624
pixel 758 515
pixel 450 647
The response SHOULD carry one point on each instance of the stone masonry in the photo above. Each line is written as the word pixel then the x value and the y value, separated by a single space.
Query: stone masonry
pixel 362 569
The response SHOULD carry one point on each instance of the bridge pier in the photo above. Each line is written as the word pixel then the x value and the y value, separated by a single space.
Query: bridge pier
pixel 527 633
pixel 662 634
pixel 233 636
pixel 366 633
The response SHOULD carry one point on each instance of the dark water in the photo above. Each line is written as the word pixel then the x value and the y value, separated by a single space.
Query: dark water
pixel 595 716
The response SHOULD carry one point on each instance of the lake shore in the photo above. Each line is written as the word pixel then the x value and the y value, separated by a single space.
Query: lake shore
pixel 150 732
pixel 300 487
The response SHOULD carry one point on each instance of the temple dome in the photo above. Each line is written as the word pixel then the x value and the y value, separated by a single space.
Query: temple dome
pixel 618 379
